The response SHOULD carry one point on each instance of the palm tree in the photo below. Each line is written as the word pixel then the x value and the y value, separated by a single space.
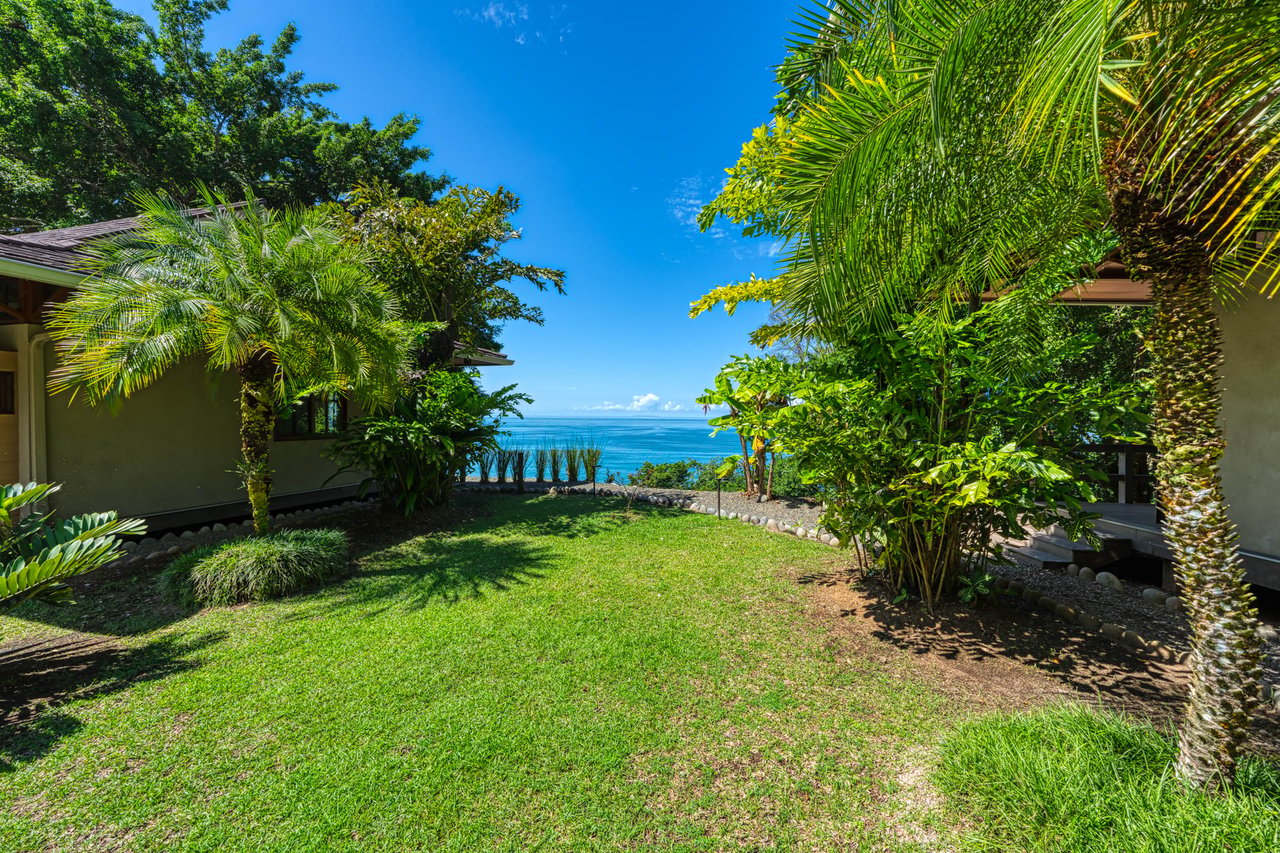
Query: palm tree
pixel 275 296
pixel 908 119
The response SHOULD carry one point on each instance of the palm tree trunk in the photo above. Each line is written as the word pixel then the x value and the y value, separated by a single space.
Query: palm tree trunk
pixel 1186 342
pixel 257 423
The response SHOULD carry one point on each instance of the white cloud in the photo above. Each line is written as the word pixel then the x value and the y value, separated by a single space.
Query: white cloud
pixel 639 403
pixel 500 16
pixel 541 26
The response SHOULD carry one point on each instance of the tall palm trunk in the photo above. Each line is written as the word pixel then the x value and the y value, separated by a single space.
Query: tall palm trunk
pixel 257 423
pixel 1186 338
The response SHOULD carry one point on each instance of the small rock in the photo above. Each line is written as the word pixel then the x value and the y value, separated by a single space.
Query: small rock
pixel 1266 633
pixel 1015 587
pixel 1062 611
pixel 772 524
pixel 801 533
pixel 1001 582
pixel 1154 597
pixel 168 537
pixel 205 531
pixel 732 516
pixel 1044 602
pixel 1109 580
pixel 219 527
pixel 1073 569
pixel 1087 574
pixel 173 552
pixel 1111 631
pixel 1088 621
pixel 1173 604
pixel 188 534
pixel 1133 640
pixel 128 546
pixel 824 538
pixel 147 542
pixel 1032 595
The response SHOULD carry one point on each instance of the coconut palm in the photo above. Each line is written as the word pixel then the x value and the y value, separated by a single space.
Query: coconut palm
pixel 274 296
pixel 903 113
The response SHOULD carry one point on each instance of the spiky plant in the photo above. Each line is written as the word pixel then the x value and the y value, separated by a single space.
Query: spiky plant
pixel 502 462
pixel 572 460
pixel 541 458
pixel 555 457
pixel 273 296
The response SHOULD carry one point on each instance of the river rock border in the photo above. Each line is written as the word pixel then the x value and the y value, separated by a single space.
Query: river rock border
pixel 1118 634
pixel 139 552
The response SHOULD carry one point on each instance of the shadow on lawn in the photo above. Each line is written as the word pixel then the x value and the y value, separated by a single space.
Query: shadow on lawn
pixel 35 676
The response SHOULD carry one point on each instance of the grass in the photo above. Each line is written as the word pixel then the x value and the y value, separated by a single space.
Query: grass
pixel 563 674
pixel 256 569
pixel 1080 780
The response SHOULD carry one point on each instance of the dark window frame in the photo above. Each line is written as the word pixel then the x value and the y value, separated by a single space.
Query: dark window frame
pixel 318 417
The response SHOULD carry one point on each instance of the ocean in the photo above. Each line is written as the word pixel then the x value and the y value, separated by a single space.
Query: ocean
pixel 626 442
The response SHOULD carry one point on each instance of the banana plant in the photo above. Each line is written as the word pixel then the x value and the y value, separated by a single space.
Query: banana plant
pixel 39 553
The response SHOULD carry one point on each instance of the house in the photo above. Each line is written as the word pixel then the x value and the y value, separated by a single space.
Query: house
pixel 167 455
pixel 1250 420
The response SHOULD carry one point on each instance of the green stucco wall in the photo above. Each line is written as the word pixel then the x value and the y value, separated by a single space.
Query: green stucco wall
pixel 172 446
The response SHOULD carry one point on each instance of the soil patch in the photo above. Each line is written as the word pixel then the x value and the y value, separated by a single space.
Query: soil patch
pixel 1006 655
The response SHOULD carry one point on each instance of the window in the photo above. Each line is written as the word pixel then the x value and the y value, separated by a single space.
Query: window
pixel 317 416
pixel 8 395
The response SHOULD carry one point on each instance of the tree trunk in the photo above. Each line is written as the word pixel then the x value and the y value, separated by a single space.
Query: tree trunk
pixel 257 423
pixel 1186 342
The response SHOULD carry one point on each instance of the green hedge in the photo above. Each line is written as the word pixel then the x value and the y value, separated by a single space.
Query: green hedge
pixel 256 569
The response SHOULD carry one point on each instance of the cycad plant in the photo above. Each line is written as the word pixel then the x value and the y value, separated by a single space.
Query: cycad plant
pixel 41 552
pixel 1033 124
pixel 274 296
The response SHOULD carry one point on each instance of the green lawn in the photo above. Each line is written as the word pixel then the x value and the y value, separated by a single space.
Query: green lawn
pixel 556 674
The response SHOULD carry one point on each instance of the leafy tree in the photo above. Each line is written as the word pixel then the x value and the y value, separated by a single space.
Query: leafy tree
pixel 39 552
pixel 275 296
pixel 96 106
pixel 430 437
pixel 1166 112
pixel 444 261
pixel 753 390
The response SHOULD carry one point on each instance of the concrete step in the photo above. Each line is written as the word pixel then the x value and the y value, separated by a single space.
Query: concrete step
pixel 1082 553
pixel 1043 559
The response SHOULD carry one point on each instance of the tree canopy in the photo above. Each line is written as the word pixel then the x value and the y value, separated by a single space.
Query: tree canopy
pixel 96 106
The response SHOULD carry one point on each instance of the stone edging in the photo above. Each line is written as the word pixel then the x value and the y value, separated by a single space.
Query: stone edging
pixel 170 545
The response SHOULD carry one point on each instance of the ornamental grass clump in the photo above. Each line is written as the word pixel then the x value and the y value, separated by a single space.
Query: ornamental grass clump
pixel 541 458
pixel 256 569
pixel 554 457
pixel 502 461
pixel 484 464
pixel 572 461
pixel 591 454
pixel 519 462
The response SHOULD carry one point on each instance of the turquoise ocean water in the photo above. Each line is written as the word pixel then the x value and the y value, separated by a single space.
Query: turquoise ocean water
pixel 626 442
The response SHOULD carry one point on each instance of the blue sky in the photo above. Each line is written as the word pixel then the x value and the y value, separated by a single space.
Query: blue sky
pixel 612 121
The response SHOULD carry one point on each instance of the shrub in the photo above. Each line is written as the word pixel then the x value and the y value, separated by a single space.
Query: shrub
pixel 256 569
pixel 591 455
pixel 1081 780
pixel 663 475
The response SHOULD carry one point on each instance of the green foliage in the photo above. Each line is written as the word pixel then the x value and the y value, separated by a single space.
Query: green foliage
pixel 444 261
pixel 753 390
pixel 430 437
pixel 662 475
pixel 930 448
pixel 40 552
pixel 97 106
pixel 1077 780
pixel 256 569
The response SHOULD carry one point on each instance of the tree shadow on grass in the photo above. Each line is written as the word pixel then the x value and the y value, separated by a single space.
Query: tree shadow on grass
pixel 37 676
pixel 118 602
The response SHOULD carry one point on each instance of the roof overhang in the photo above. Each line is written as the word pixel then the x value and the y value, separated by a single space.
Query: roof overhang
pixel 35 272
pixel 475 357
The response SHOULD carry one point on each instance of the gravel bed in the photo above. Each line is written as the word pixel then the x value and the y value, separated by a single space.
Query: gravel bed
pixel 1124 608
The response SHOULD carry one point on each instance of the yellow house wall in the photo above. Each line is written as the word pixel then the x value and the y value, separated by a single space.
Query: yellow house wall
pixel 1251 418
